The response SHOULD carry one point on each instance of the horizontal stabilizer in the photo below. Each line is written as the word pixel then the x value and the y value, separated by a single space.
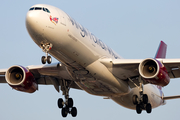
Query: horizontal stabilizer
pixel 171 97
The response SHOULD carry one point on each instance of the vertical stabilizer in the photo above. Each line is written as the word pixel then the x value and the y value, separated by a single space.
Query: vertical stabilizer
pixel 161 52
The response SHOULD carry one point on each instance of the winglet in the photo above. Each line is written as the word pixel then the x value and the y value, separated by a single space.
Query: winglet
pixel 161 52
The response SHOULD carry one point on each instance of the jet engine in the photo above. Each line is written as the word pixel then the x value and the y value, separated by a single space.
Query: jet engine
pixel 21 79
pixel 154 72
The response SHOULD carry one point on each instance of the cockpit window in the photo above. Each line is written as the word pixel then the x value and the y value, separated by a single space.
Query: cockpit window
pixel 39 8
pixel 31 8
pixel 46 10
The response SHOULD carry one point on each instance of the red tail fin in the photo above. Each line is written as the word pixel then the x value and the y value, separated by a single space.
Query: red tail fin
pixel 161 52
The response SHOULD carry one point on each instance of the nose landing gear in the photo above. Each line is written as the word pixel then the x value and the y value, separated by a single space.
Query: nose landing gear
pixel 47 59
pixel 46 47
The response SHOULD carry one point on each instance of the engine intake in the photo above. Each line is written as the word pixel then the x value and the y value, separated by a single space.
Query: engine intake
pixel 21 79
pixel 154 72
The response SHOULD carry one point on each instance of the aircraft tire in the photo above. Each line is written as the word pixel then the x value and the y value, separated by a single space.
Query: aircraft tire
pixel 60 103
pixel 70 102
pixel 49 59
pixel 43 60
pixel 145 99
pixel 148 108
pixel 74 111
pixel 135 99
pixel 64 112
pixel 138 109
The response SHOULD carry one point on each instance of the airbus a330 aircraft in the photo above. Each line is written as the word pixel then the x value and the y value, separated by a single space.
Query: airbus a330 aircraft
pixel 86 63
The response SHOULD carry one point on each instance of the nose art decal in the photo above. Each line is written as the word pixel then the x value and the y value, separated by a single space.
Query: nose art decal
pixel 54 19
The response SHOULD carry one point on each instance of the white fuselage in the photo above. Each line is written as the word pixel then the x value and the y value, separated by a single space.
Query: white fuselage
pixel 80 50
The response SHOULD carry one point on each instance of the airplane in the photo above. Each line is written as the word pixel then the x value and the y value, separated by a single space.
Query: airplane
pixel 86 63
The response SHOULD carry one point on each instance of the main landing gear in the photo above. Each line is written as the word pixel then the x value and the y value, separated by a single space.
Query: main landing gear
pixel 67 105
pixel 46 47
pixel 141 103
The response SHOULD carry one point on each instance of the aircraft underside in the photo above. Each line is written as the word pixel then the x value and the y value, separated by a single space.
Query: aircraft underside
pixel 90 65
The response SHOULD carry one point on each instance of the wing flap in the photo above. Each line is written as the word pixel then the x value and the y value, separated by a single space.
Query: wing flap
pixel 174 73
pixel 2 79
pixel 172 66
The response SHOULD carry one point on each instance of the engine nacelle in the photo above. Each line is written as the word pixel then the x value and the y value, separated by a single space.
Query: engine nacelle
pixel 154 72
pixel 21 79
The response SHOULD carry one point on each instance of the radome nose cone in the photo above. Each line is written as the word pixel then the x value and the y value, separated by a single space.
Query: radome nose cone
pixel 34 23
pixel 34 26
pixel 31 20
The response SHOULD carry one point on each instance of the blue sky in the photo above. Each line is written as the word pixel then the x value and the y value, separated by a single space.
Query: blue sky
pixel 133 28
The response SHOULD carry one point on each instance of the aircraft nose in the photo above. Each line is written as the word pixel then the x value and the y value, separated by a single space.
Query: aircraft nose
pixel 35 26
pixel 32 21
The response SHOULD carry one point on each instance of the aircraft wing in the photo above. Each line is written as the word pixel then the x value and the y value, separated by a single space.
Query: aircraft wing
pixel 122 68
pixel 51 74
pixel 128 68
pixel 173 67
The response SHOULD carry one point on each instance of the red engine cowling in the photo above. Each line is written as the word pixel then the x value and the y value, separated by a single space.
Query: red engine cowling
pixel 154 72
pixel 21 79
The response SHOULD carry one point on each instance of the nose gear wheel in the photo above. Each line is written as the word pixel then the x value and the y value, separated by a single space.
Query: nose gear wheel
pixel 46 48
pixel 45 59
